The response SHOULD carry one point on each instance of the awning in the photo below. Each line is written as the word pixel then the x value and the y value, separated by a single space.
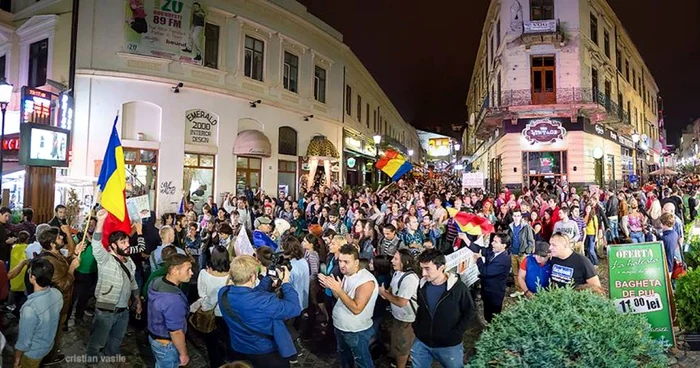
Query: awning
pixel 321 148
pixel 252 143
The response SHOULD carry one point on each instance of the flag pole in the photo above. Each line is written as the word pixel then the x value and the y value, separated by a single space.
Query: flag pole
pixel 95 197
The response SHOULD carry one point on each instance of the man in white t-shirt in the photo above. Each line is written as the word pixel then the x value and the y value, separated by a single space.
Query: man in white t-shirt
pixel 352 314
pixel 403 298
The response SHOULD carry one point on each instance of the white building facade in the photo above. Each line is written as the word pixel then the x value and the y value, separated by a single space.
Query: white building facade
pixel 258 94
pixel 559 92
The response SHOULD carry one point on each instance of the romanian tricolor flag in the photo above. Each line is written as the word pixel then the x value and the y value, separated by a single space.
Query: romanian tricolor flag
pixel 394 164
pixel 470 223
pixel 112 185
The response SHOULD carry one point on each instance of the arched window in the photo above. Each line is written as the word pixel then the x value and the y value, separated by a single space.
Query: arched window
pixel 287 141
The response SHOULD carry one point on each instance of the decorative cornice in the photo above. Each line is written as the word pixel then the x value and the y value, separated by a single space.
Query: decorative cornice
pixel 37 25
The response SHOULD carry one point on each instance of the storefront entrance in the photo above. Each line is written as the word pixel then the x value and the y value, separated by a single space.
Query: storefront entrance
pixel 248 173
pixel 141 173
pixel 198 178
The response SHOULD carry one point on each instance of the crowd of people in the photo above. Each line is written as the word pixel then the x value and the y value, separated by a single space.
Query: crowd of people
pixel 253 271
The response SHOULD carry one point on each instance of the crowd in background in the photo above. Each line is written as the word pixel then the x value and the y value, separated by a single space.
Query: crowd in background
pixel 330 267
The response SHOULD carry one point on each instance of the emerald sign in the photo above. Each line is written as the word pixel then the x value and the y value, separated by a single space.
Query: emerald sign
pixel 639 283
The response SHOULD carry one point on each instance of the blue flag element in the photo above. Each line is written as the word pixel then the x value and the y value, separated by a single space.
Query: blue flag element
pixel 260 239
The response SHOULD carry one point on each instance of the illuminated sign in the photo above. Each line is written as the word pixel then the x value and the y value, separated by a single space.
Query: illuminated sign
pixel 353 142
pixel 65 111
pixel 351 162
pixel 543 131
pixel 10 144
pixel 438 147
pixel 36 106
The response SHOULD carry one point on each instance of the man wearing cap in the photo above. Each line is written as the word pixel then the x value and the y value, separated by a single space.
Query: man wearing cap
pixel 535 270
pixel 335 223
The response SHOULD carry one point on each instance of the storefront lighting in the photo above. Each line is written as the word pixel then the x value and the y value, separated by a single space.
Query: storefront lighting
pixel 597 153
pixel 5 93
pixel 635 137
pixel 377 139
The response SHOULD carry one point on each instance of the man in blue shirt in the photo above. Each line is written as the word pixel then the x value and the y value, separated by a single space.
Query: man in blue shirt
pixel 39 316
pixel 167 313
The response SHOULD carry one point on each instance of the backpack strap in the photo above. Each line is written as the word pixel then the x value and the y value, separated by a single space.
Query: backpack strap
pixel 227 308
pixel 398 287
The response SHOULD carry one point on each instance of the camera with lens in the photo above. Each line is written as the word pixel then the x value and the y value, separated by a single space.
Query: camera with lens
pixel 277 261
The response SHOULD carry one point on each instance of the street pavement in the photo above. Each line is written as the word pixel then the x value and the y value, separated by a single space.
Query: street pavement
pixel 137 353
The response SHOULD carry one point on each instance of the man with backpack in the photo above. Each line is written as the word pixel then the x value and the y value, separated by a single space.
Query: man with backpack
pixel 403 298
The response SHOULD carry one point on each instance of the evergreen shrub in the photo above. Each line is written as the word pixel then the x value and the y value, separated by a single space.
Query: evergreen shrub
pixel 567 328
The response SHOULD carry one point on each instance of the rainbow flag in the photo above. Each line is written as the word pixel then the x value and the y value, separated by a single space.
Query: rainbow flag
pixel 394 164
pixel 112 184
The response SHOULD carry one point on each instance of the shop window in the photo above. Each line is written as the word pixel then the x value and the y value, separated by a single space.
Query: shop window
pixel 211 46
pixel 287 141
pixel 544 166
pixel 141 173
pixel 248 170
pixel 38 63
pixel 287 177
pixel 198 178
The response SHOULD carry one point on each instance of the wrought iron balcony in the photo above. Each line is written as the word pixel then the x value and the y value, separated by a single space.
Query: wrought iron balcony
pixel 566 96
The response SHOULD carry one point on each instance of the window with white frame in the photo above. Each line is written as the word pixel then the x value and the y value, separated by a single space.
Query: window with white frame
pixel 320 84
pixel 291 72
pixel 254 58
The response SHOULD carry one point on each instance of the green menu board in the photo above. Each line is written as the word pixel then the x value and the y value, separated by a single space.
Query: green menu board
pixel 639 283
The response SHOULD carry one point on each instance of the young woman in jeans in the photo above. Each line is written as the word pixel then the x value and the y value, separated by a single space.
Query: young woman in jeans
pixel 636 222
pixel 591 221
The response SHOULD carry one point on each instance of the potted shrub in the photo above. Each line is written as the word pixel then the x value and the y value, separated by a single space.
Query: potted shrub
pixel 567 328
pixel 687 299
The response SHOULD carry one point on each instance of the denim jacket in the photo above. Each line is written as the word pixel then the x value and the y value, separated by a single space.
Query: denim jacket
pixel 38 322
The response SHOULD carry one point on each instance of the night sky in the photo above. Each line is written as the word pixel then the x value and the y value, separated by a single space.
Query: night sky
pixel 422 52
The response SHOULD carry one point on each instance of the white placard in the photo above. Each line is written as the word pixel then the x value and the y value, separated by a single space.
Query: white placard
pixel 639 304
pixel 473 180
pixel 462 262
pixel 139 208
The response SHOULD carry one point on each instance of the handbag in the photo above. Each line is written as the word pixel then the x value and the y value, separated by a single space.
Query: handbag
pixel 679 269
pixel 203 321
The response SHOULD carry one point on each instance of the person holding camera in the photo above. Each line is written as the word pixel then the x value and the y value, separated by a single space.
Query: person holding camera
pixel 255 315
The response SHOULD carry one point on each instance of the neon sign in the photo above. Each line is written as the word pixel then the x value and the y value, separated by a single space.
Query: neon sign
pixel 10 144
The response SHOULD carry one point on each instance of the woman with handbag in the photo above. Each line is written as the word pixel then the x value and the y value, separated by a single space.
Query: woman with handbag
pixel 206 314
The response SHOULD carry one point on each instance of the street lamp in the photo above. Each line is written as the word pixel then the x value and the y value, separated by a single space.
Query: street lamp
pixel 635 137
pixel 5 96
pixel 377 140
pixel 410 152
pixel 457 147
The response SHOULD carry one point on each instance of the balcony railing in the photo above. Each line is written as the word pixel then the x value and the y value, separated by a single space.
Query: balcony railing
pixel 523 97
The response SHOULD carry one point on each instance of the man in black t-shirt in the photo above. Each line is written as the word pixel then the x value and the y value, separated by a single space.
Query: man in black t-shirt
pixel 569 267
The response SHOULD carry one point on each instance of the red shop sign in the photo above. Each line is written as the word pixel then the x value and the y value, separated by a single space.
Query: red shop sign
pixel 10 144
